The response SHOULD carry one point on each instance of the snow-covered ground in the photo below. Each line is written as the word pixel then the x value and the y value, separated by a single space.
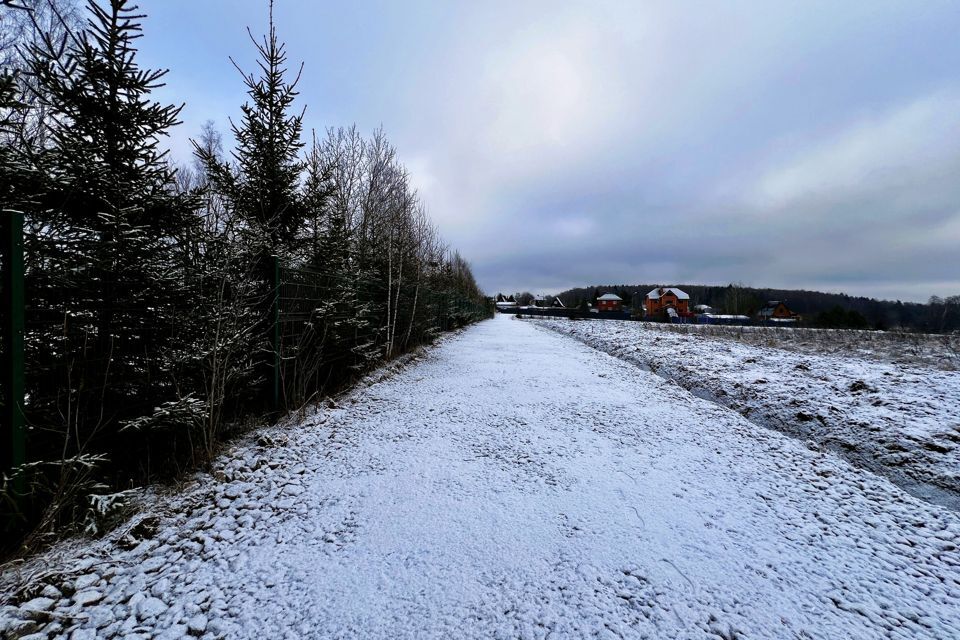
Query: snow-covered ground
pixel 935 351
pixel 514 483
pixel 896 418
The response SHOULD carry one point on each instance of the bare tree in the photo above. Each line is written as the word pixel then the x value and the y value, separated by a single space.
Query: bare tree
pixel 27 23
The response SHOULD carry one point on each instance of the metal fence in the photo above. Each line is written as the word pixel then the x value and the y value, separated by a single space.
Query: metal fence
pixel 327 324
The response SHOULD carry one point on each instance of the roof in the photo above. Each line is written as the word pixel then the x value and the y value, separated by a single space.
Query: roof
pixel 656 293
pixel 610 296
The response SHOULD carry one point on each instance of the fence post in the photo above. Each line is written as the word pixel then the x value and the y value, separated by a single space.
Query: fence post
pixel 275 331
pixel 13 425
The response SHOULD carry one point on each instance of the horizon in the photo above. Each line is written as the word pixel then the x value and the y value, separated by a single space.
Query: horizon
pixel 694 284
pixel 793 147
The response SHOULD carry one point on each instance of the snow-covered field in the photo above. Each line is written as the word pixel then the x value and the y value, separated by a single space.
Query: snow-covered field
pixel 512 483
pixel 896 418
pixel 893 347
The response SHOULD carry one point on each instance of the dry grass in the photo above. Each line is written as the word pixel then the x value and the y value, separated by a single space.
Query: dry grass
pixel 939 351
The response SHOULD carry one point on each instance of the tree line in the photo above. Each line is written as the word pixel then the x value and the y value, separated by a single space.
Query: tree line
pixel 163 300
pixel 828 310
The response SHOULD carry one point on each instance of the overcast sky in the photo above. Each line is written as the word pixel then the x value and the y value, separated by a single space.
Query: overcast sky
pixel 786 144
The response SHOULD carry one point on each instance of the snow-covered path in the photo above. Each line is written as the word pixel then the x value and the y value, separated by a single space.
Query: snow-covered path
pixel 516 483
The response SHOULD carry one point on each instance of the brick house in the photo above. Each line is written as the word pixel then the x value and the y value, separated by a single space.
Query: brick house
pixel 777 311
pixel 609 302
pixel 663 298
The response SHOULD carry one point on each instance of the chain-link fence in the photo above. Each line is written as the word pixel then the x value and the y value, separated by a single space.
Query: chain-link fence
pixel 330 325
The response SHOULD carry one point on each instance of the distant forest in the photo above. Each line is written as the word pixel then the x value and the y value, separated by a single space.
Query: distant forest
pixel 938 315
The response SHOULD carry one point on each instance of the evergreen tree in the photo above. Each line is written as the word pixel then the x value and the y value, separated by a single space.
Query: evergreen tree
pixel 264 187
pixel 316 199
pixel 103 224
pixel 108 182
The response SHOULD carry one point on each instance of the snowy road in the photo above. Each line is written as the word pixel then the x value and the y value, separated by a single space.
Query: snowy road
pixel 515 483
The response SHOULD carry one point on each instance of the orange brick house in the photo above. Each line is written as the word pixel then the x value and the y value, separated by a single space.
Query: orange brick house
pixel 609 302
pixel 662 298
pixel 777 311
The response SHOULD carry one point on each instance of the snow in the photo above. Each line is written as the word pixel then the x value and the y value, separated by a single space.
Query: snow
pixel 560 494
pixel 726 316
pixel 899 419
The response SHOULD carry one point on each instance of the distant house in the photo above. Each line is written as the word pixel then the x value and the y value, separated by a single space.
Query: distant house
pixel 547 302
pixel 777 312
pixel 609 302
pixel 662 298
pixel 505 302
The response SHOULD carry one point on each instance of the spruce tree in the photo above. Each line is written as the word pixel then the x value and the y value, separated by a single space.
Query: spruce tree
pixel 263 187
pixel 103 232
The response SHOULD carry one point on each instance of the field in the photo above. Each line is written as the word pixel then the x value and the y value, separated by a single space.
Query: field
pixel 894 347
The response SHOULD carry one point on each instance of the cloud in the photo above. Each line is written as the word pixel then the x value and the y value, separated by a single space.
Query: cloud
pixel 575 227
pixel 422 175
pixel 912 145
pixel 874 202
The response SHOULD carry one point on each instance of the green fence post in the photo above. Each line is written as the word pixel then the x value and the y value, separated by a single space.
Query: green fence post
pixel 13 426
pixel 275 333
